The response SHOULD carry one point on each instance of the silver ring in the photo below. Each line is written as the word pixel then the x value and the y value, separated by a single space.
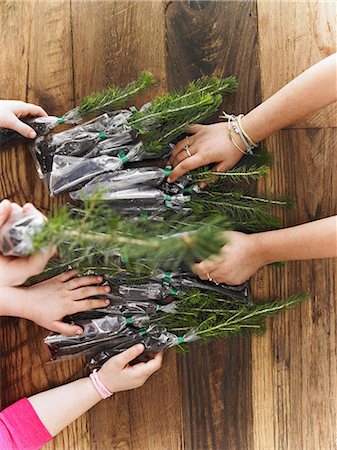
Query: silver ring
pixel 209 278
pixel 187 150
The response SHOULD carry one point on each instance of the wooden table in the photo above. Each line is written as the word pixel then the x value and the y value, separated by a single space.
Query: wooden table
pixel 276 392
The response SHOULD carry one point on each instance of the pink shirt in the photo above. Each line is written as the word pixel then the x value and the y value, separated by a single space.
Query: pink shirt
pixel 21 428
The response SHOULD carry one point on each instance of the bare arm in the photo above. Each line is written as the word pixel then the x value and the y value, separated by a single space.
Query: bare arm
pixel 60 406
pixel 310 91
pixel 312 240
pixel 246 253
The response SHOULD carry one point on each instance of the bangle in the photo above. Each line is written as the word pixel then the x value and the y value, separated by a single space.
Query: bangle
pixel 230 134
pixel 101 389
pixel 236 123
pixel 249 139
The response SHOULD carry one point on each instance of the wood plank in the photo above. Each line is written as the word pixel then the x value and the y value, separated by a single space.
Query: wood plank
pixel 205 38
pixel 294 365
pixel 293 36
pixel 125 38
pixel 42 64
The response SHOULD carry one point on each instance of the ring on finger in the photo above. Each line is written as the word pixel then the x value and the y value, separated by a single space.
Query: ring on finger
pixel 209 278
pixel 187 150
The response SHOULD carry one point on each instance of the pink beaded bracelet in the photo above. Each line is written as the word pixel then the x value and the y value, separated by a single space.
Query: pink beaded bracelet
pixel 101 389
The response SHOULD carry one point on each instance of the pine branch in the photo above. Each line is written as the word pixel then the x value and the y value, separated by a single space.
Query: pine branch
pixel 98 235
pixel 235 175
pixel 171 106
pixel 210 318
pixel 158 139
pixel 114 96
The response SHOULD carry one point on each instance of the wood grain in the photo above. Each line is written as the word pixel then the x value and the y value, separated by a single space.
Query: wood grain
pixel 124 39
pixel 277 392
pixel 294 35
pixel 294 365
pixel 205 38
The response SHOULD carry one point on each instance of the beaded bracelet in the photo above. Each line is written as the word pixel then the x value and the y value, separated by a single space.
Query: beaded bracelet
pixel 101 389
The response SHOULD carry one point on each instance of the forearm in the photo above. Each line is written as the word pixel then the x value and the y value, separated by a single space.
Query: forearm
pixel 60 406
pixel 310 91
pixel 312 240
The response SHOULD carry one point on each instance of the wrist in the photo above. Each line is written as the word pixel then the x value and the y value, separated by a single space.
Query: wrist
pixel 263 248
pixel 11 302
pixel 90 390
pixel 256 127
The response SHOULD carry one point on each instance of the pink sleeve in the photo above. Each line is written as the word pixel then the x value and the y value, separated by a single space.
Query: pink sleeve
pixel 21 428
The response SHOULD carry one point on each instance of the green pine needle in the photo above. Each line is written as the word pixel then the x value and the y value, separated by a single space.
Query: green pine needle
pixel 114 96
pixel 235 175
pixel 95 237
pixel 211 317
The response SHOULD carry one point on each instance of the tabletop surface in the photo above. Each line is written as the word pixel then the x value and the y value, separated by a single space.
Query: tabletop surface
pixel 277 392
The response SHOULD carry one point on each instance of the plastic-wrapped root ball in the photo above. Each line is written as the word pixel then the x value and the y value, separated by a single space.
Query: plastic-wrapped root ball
pixel 16 236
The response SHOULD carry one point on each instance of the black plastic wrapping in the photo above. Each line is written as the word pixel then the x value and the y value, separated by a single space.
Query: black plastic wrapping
pixel 16 235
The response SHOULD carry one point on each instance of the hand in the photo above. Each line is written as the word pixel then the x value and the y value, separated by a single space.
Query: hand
pixel 15 271
pixel 117 374
pixel 12 110
pixel 237 261
pixel 46 303
pixel 208 144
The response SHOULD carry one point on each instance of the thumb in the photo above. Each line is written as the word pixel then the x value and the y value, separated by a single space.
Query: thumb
pixel 65 328
pixel 5 211
pixel 129 355
pixel 21 127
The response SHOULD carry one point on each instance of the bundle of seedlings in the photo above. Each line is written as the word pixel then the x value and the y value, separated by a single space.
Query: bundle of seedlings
pixel 93 105
pixel 194 316
pixel 105 144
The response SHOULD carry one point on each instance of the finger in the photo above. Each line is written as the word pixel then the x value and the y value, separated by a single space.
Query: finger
pixel 25 130
pixel 34 264
pixel 183 155
pixel 68 275
pixel 185 166
pixel 30 208
pixel 77 282
pixel 33 110
pixel 89 291
pixel 180 146
pixel 123 359
pixel 86 305
pixel 5 211
pixel 65 328
pixel 147 369
pixel 204 268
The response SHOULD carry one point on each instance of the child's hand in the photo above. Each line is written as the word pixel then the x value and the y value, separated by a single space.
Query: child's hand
pixel 12 110
pixel 15 271
pixel 46 303
pixel 208 144
pixel 117 374
pixel 238 260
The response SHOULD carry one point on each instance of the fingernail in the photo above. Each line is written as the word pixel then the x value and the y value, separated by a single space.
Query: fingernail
pixel 107 289
pixel 79 331
pixel 169 180
pixel 4 204
pixel 107 302
pixel 32 134
pixel 99 279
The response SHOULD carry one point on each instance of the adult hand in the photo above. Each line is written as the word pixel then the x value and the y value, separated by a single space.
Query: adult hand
pixel 208 144
pixel 238 260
